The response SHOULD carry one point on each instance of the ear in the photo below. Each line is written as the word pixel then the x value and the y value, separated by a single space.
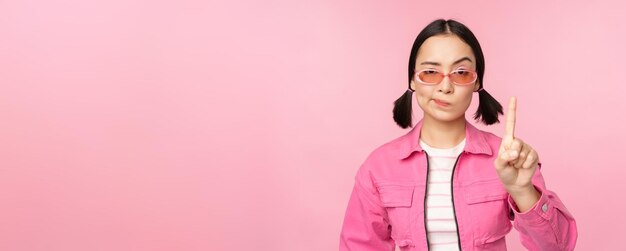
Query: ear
pixel 413 85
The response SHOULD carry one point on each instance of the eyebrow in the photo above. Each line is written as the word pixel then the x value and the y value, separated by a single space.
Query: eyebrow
pixel 455 62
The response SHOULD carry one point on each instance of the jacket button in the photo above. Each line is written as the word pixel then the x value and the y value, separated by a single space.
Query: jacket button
pixel 544 208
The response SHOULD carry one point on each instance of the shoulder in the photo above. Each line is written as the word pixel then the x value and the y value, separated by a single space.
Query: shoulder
pixel 482 137
pixel 385 159
pixel 491 138
pixel 388 151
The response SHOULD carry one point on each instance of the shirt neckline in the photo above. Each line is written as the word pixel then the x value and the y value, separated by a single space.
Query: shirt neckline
pixel 452 151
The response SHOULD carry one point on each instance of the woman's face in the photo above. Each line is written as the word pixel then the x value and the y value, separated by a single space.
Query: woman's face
pixel 444 53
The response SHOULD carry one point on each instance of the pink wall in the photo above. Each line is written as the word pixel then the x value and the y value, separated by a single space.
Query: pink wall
pixel 182 125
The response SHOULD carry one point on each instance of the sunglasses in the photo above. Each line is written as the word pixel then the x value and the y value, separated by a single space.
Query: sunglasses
pixel 458 77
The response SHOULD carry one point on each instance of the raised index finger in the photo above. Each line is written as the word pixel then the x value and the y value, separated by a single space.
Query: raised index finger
pixel 510 118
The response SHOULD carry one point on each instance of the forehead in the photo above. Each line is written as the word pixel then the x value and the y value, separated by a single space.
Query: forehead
pixel 444 49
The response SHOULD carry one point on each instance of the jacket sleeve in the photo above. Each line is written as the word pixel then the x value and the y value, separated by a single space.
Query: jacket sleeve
pixel 365 225
pixel 548 225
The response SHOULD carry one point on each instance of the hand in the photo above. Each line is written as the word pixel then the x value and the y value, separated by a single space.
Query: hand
pixel 517 161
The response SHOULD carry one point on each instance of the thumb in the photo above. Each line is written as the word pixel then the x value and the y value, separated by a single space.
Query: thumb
pixel 503 158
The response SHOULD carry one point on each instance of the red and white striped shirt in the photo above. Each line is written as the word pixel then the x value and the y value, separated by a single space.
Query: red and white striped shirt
pixel 440 222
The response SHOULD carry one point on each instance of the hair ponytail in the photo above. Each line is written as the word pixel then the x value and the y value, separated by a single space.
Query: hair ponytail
pixel 402 111
pixel 488 108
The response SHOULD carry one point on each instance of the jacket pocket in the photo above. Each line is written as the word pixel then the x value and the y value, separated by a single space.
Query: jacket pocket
pixel 488 208
pixel 396 194
pixel 397 199
pixel 485 191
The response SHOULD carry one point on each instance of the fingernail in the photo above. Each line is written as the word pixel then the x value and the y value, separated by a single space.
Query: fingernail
pixel 513 154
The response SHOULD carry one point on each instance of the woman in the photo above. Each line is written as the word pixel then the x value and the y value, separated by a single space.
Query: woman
pixel 447 185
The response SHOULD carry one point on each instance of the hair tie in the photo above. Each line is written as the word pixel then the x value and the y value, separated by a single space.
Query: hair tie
pixel 411 90
pixel 479 90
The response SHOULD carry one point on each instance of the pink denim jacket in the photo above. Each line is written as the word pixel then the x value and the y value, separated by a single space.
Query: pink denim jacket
pixel 386 207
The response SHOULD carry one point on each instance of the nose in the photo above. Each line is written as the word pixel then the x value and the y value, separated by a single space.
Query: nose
pixel 446 85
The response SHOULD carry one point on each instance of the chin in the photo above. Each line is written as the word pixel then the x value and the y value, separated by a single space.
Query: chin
pixel 446 117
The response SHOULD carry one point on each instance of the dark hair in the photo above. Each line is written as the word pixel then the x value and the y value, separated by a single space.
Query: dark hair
pixel 488 107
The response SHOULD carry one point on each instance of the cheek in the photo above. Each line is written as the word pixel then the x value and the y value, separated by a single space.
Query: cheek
pixel 465 102
pixel 468 98
pixel 422 98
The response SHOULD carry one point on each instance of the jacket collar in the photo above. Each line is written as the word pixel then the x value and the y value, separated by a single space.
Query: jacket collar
pixel 475 141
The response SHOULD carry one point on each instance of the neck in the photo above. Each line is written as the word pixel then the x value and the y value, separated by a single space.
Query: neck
pixel 442 134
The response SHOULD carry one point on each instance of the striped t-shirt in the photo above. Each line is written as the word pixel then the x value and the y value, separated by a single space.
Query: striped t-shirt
pixel 440 222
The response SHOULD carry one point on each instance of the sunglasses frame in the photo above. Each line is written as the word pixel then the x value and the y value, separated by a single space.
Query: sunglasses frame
pixel 416 77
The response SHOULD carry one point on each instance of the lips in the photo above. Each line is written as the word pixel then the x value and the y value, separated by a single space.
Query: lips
pixel 441 102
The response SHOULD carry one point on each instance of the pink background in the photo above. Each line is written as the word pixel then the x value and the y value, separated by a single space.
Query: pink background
pixel 186 125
